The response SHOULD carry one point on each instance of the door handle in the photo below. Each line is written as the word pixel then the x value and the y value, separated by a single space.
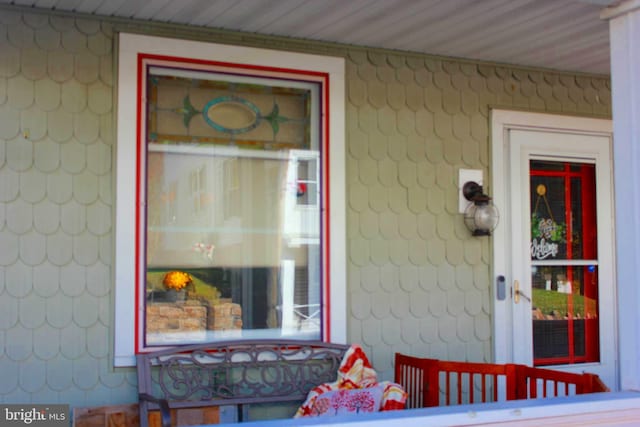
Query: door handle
pixel 518 293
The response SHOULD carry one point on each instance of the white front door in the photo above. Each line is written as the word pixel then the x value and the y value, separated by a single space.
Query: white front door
pixel 552 181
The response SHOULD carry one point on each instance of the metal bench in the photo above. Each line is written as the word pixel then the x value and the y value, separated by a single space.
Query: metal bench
pixel 232 373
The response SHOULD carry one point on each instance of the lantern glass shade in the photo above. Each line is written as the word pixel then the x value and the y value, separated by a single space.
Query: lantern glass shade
pixel 481 218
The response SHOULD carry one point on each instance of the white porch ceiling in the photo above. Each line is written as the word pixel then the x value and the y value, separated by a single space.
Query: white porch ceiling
pixel 556 34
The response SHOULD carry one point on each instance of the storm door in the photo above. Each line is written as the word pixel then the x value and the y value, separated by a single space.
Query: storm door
pixel 555 250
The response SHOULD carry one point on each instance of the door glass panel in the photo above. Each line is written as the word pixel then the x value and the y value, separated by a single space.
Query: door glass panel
pixel 564 263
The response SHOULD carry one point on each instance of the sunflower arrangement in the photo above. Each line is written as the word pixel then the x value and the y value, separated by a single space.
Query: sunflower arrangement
pixel 177 280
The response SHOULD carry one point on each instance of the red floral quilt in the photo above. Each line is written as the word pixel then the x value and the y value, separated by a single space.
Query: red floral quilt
pixel 356 390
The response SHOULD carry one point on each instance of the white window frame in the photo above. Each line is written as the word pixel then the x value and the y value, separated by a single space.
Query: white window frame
pixel 132 48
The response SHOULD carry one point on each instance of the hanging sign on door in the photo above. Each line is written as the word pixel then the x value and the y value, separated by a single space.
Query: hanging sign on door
pixel 546 233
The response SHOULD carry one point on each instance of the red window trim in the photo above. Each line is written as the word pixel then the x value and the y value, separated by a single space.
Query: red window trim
pixel 144 60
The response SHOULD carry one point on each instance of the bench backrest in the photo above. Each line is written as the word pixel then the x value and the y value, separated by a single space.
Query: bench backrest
pixel 236 373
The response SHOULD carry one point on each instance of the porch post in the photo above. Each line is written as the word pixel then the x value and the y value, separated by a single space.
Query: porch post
pixel 624 33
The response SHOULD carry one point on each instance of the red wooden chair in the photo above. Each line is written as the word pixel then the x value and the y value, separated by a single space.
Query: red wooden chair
pixel 459 382
pixel 432 382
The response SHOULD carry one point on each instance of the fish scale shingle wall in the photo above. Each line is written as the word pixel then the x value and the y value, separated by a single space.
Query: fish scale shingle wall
pixel 56 142
pixel 417 282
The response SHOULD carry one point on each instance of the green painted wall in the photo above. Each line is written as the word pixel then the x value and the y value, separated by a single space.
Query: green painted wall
pixel 417 282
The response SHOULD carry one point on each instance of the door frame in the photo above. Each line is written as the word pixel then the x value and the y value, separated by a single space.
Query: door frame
pixel 502 121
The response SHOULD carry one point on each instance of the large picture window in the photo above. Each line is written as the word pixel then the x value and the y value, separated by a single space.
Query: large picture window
pixel 230 213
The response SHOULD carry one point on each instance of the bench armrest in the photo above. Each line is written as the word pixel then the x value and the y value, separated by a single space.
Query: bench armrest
pixel 165 413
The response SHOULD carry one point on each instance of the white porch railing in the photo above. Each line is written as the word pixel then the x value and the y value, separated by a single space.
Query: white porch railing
pixel 610 409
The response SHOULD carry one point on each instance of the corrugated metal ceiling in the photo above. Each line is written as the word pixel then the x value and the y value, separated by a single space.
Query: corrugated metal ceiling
pixel 556 34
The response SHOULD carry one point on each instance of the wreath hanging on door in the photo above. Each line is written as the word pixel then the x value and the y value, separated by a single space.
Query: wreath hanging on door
pixel 546 228
pixel 546 233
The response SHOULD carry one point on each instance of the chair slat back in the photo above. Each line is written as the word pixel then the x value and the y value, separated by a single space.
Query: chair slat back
pixel 542 383
pixel 432 382
pixel 418 378
pixel 470 382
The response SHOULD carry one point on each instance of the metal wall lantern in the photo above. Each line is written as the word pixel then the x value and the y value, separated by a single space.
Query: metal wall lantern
pixel 481 216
